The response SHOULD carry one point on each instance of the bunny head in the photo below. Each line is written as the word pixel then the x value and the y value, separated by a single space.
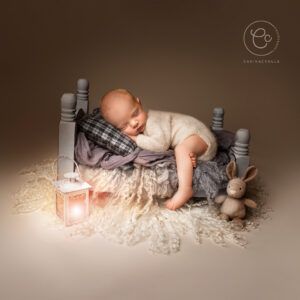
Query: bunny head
pixel 236 187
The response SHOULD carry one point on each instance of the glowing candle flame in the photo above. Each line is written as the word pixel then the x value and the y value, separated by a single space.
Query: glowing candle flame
pixel 76 211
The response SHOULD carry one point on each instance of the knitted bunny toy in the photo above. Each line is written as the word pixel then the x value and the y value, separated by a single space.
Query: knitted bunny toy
pixel 233 204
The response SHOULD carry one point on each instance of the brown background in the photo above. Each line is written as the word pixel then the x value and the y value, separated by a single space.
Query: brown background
pixel 184 56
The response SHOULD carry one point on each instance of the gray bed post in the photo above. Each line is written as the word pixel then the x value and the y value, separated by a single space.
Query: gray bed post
pixel 82 97
pixel 67 127
pixel 218 119
pixel 241 150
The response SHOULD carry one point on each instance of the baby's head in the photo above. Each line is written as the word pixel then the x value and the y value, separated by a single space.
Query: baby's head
pixel 123 110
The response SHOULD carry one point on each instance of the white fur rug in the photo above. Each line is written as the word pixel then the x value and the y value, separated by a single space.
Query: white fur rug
pixel 135 211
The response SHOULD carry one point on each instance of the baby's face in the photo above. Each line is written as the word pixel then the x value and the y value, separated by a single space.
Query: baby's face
pixel 127 115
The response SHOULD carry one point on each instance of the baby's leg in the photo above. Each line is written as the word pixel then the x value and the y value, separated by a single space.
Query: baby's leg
pixel 185 170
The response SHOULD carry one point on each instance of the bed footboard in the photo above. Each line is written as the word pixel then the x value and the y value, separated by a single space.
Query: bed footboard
pixel 238 152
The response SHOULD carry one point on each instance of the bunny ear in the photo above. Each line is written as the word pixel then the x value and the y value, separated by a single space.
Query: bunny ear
pixel 250 173
pixel 231 169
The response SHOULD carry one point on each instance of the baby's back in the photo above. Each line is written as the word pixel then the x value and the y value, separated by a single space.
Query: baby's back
pixel 180 126
pixel 183 126
pixel 166 130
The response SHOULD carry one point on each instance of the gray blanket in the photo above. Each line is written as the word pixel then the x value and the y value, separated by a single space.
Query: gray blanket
pixel 89 154
pixel 209 176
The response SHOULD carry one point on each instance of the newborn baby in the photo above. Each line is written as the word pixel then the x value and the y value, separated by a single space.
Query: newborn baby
pixel 159 131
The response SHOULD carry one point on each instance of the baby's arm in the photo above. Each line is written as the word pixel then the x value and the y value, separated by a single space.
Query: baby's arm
pixel 152 143
pixel 156 142
pixel 192 155
pixel 158 133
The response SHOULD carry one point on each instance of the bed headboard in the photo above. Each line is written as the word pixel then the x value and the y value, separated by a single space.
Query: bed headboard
pixel 74 106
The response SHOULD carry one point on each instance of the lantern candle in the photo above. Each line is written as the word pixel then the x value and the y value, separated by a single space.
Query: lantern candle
pixel 72 199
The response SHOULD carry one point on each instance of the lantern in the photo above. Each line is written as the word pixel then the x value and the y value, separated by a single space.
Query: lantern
pixel 72 199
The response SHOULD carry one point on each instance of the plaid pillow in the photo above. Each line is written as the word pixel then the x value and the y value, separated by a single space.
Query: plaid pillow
pixel 104 134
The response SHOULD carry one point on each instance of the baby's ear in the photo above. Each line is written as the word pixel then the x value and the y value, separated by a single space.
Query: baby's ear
pixel 138 100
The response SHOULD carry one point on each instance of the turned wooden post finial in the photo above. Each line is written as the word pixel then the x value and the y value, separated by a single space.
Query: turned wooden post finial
pixel 68 107
pixel 241 144
pixel 218 118
pixel 82 89
pixel 82 96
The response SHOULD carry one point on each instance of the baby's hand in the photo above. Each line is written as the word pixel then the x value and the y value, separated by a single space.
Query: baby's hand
pixel 133 137
pixel 193 159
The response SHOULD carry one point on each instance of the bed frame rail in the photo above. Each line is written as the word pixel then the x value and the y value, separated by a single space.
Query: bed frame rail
pixel 74 106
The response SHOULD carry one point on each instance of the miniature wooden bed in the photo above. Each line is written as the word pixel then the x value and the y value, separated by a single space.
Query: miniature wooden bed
pixel 74 106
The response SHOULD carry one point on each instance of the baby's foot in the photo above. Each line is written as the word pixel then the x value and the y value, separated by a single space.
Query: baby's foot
pixel 180 198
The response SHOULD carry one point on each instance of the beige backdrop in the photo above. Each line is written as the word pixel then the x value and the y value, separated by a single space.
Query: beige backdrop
pixel 184 56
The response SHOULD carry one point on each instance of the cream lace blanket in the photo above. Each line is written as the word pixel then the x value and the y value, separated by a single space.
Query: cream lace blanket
pixel 135 211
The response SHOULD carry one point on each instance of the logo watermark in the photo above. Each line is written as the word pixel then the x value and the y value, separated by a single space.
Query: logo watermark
pixel 261 38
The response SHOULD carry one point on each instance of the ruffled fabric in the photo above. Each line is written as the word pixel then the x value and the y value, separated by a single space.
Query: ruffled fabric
pixel 134 212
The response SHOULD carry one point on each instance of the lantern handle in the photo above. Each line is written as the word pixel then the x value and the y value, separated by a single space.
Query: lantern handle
pixel 64 156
